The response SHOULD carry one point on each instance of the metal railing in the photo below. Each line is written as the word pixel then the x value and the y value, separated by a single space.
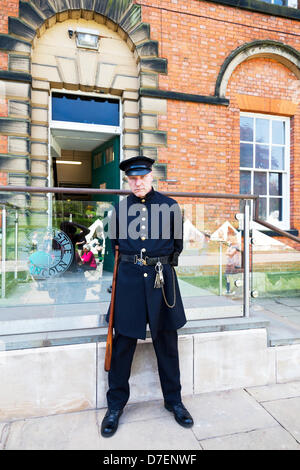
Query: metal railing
pixel 247 198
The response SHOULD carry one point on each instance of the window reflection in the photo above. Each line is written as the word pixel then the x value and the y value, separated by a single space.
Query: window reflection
pixel 245 182
pixel 278 132
pixel 262 130
pixel 277 158
pixel 275 210
pixel 275 184
pixel 246 155
pixel 85 109
pixel 246 129
pixel 262 208
pixel 260 183
pixel 262 156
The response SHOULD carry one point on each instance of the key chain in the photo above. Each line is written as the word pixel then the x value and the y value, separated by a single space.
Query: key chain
pixel 159 278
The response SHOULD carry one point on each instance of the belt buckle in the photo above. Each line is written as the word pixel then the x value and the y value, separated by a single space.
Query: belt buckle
pixel 139 261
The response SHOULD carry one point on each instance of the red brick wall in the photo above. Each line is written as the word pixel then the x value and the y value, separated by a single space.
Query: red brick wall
pixel 7 8
pixel 203 140
pixel 3 61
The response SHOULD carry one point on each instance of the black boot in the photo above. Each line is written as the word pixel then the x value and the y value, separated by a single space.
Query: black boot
pixel 110 422
pixel 181 414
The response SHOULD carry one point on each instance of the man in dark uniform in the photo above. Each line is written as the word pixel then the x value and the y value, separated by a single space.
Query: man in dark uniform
pixel 148 228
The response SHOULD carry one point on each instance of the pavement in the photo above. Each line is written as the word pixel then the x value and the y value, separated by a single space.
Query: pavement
pixel 256 418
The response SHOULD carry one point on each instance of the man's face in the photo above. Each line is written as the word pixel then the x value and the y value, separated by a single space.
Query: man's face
pixel 140 185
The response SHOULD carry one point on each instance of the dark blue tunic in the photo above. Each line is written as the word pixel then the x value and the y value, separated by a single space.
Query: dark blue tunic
pixel 153 223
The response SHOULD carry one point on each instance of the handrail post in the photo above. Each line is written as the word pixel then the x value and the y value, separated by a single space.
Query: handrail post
pixel 16 243
pixel 246 259
pixel 3 253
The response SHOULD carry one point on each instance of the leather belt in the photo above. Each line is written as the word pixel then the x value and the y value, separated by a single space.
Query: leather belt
pixel 147 261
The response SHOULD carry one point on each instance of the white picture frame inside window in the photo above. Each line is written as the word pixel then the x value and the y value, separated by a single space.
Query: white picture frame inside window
pixel 265 164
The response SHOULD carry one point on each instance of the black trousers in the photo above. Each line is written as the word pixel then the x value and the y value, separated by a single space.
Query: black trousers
pixel 166 350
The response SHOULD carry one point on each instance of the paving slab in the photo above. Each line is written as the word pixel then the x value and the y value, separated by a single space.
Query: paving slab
pixel 221 413
pixel 143 411
pixel 286 412
pixel 149 426
pixel 254 419
pixel 275 391
pixel 146 426
pixel 60 432
pixel 275 438
pixel 152 434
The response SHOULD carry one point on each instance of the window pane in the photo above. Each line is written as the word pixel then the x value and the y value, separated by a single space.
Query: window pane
pixel 278 132
pixel 262 130
pixel 85 109
pixel 261 156
pixel 246 129
pixel 262 208
pixel 109 154
pixel 246 155
pixel 245 182
pixel 275 208
pixel 275 184
pixel 260 183
pixel 98 160
pixel 277 158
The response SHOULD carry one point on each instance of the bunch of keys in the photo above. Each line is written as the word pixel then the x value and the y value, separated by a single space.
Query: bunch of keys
pixel 159 278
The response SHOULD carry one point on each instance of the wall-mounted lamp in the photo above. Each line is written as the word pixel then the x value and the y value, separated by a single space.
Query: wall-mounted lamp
pixel 86 38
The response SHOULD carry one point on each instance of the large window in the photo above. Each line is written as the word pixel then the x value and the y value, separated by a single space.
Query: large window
pixel 264 164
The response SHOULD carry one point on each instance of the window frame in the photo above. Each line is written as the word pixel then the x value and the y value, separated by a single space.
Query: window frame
pixel 284 224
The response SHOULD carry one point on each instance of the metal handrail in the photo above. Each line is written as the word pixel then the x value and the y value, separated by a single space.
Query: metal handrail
pixel 60 190
pixel 121 192
pixel 270 226
pixel 9 205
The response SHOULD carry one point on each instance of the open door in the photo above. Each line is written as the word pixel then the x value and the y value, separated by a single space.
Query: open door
pixel 106 175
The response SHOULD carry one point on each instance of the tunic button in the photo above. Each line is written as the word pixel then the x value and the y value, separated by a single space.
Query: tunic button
pixel 143 226
pixel 143 218
pixel 143 200
pixel 144 209
pixel 143 238
pixel 145 274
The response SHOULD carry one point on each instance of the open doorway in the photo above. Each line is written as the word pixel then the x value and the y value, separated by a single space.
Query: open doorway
pixel 85 153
